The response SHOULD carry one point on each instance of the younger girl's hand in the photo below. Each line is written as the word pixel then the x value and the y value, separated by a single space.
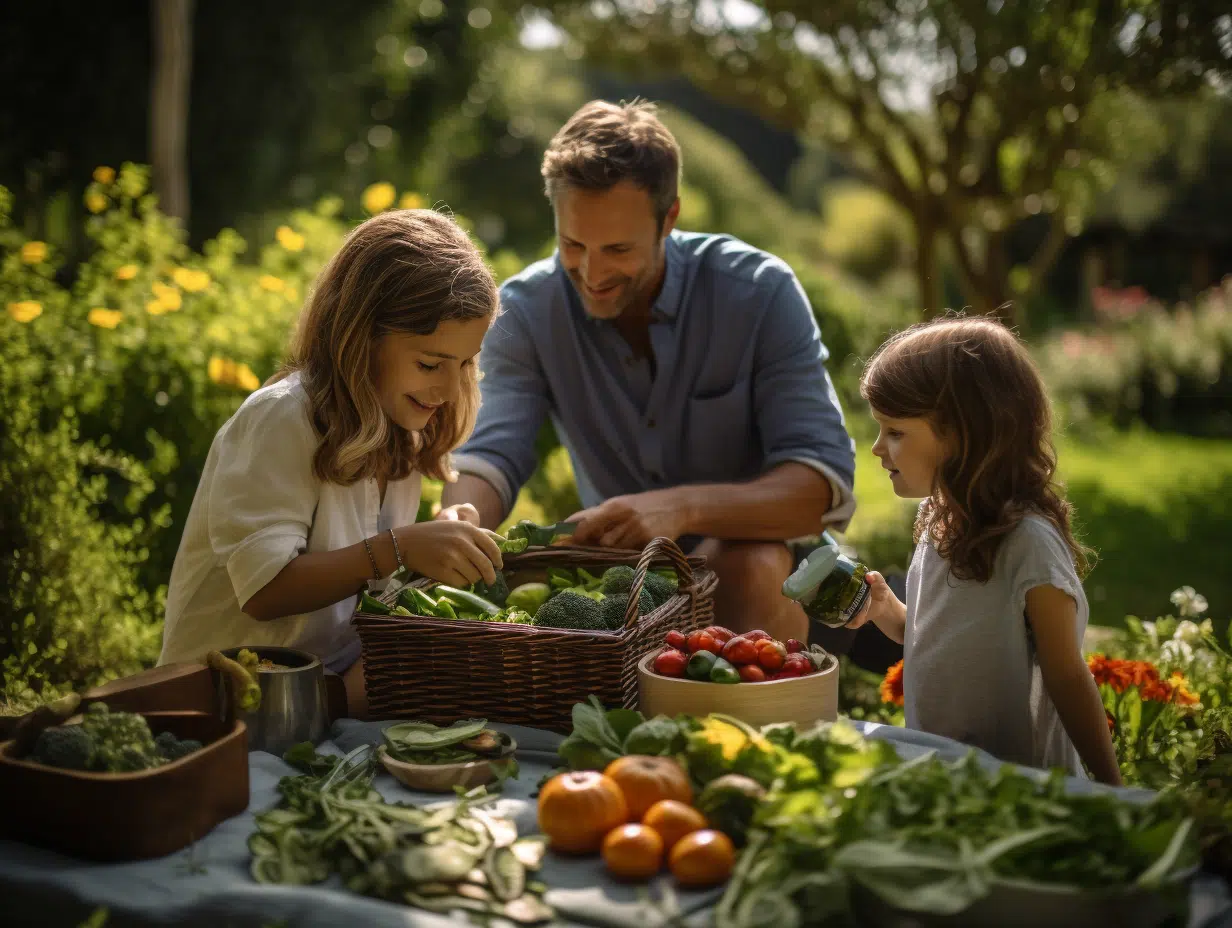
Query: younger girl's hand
pixel 450 551
pixel 880 603
pixel 462 512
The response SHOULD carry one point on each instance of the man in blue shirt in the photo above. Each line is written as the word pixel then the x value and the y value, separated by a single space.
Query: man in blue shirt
pixel 683 372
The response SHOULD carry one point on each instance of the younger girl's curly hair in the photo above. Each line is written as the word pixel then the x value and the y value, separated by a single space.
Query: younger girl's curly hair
pixel 979 389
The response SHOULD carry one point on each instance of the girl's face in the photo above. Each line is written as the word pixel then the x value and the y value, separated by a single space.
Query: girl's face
pixel 911 451
pixel 417 374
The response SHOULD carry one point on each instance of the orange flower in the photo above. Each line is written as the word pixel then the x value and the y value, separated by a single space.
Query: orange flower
pixel 1121 675
pixel 892 686
pixel 1182 694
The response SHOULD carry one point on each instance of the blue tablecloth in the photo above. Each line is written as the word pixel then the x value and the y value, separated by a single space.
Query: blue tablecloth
pixel 208 885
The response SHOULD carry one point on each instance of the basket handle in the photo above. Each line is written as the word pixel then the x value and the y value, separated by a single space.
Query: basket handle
pixel 660 548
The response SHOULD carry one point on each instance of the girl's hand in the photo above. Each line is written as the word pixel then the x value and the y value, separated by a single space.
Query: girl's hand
pixel 462 512
pixel 451 551
pixel 881 604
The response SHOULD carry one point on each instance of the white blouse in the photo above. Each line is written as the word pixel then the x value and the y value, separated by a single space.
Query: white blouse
pixel 258 507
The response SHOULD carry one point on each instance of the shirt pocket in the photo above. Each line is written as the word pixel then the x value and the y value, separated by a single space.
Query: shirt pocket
pixel 719 443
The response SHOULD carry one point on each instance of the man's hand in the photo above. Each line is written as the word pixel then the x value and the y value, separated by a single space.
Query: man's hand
pixel 462 512
pixel 632 521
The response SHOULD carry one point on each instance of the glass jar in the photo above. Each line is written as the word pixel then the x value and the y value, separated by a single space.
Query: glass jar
pixel 829 585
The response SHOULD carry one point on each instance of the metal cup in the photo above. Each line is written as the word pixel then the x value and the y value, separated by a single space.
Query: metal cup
pixel 293 700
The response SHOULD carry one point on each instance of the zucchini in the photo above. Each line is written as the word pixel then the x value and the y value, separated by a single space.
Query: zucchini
pixel 465 600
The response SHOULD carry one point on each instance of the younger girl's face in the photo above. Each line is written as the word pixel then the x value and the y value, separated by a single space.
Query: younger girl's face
pixel 911 451
pixel 417 374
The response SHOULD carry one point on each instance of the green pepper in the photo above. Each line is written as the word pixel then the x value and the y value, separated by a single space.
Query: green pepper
pixel 401 610
pixel 417 601
pixel 466 600
pixel 370 605
pixel 700 665
pixel 444 609
pixel 721 671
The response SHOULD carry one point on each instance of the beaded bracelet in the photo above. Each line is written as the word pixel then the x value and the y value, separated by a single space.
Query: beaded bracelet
pixel 397 551
pixel 376 571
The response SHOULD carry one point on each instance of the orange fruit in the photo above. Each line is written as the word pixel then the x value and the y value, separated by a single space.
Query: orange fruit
pixel 645 780
pixel 703 858
pixel 577 809
pixel 633 852
pixel 673 820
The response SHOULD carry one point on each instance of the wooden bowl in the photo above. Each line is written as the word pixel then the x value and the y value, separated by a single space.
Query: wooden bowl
pixel 802 700
pixel 442 778
pixel 129 816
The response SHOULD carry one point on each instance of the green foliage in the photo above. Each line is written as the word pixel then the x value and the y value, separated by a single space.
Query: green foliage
pixel 865 230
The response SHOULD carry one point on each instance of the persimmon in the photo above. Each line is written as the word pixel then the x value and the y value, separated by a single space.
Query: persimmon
pixel 633 852
pixel 645 780
pixel 703 858
pixel 673 820
pixel 576 810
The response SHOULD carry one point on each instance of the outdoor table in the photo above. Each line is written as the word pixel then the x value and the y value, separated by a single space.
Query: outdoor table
pixel 209 885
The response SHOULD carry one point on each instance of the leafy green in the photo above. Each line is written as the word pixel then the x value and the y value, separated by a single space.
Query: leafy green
pixel 657 736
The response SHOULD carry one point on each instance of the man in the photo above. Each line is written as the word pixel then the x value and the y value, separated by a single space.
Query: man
pixel 684 374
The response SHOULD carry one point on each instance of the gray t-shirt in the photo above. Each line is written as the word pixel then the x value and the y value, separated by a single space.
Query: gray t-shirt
pixel 970 671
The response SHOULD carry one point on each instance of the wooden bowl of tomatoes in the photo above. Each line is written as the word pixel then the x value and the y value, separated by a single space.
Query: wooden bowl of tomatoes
pixel 750 676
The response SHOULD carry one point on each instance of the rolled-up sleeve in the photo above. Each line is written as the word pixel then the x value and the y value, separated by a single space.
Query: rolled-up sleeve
pixel 797 408
pixel 263 492
pixel 514 402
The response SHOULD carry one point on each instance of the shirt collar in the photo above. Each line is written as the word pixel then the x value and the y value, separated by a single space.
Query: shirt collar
pixel 667 305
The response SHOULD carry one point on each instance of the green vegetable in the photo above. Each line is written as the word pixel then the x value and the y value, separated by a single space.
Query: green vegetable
pixel 700 665
pixel 512 545
pixel 570 610
pixel 539 535
pixel 657 736
pixel 171 748
pixel 462 598
pixel 444 609
pixel 617 580
pixel 722 672
pixel 123 742
pixel 401 610
pixel 662 588
pixel 515 617
pixel 561 578
pixel 613 608
pixel 69 747
pixel 729 803
pixel 598 735
pixel 528 596
pixel 588 581
pixel 370 605
pixel 497 592
pixel 415 599
pixel 304 757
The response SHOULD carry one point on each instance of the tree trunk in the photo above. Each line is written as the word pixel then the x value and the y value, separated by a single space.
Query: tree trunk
pixel 927 276
pixel 171 22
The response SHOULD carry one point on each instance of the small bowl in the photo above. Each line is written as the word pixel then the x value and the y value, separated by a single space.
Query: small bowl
pixel 442 778
pixel 802 700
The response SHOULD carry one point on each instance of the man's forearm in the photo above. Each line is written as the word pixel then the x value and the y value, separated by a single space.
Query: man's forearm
pixel 786 502
pixel 480 494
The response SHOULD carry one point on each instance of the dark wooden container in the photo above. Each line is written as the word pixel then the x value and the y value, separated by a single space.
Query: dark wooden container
pixel 130 816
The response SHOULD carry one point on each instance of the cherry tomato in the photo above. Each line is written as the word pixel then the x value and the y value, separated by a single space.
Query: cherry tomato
pixel 677 639
pixel 721 635
pixel 703 641
pixel 756 635
pixel 789 670
pixel 799 662
pixel 771 655
pixel 740 651
pixel 670 662
pixel 751 673
pixel 794 646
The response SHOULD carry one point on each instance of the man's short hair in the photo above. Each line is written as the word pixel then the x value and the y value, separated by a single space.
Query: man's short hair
pixel 605 143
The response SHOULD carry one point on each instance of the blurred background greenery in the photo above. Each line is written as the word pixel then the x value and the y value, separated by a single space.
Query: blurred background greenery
pixel 1066 169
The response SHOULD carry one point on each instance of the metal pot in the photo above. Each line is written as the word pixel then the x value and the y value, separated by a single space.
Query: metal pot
pixel 293 700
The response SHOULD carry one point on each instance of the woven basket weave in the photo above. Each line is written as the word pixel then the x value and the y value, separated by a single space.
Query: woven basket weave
pixel 441 670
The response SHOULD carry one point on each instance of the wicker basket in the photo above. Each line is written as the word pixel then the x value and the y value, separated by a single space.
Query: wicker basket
pixel 440 670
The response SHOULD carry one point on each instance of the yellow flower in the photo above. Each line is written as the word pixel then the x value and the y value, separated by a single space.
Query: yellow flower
pixel 228 373
pixel 292 294
pixel 126 272
pixel 25 310
pixel 191 280
pixel 168 296
pixel 104 174
pixel 379 196
pixel 289 239
pixel 246 379
pixel 412 201
pixel 95 201
pixel 33 253
pixel 271 283
pixel 104 318
pixel 220 370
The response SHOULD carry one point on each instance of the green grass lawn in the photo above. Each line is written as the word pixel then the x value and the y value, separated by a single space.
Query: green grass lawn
pixel 1157 509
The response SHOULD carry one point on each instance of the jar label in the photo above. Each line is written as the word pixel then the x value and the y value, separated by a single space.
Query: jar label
pixel 857 601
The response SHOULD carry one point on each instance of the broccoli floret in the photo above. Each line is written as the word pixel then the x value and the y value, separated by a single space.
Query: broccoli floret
pixel 661 588
pixel 497 592
pixel 617 580
pixel 172 748
pixel 67 746
pixel 122 740
pixel 570 609
pixel 613 608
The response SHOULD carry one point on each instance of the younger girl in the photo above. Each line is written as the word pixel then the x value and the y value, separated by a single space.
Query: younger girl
pixel 312 487
pixel 995 611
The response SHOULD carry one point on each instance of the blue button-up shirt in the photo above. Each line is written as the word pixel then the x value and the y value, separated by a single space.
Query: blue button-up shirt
pixel 739 383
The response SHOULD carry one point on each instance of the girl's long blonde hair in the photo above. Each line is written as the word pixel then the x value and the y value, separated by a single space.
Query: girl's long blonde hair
pixel 978 387
pixel 402 271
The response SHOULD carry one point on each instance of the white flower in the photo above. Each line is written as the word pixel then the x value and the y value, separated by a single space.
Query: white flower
pixel 1190 632
pixel 1189 601
pixel 1152 636
pixel 1176 652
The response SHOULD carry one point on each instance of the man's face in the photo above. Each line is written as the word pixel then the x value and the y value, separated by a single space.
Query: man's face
pixel 610 245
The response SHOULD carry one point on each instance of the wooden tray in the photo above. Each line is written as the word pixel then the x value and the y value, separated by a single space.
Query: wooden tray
pixel 802 700
pixel 130 816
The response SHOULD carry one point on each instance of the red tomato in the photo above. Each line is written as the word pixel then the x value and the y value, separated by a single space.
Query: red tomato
pixel 794 646
pixel 676 639
pixel 740 651
pixel 799 663
pixel 703 641
pixel 789 670
pixel 751 673
pixel 670 662
pixel 756 635
pixel 721 635
pixel 771 655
